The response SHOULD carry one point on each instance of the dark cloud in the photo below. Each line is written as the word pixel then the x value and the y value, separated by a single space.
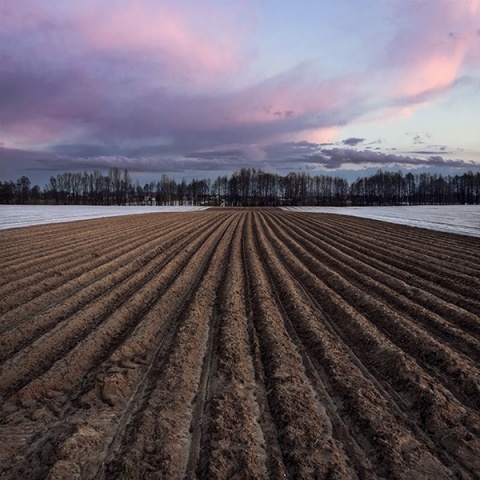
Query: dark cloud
pixel 280 157
pixel 352 141
pixel 429 152
pixel 235 154
pixel 85 150
pixel 153 166
pixel 290 149
pixel 17 162
pixel 285 113
pixel 338 157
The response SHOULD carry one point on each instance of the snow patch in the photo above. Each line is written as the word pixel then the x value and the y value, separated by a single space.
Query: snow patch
pixel 12 216
pixel 460 219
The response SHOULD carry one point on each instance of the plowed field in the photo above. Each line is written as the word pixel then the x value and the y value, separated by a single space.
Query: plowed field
pixel 239 344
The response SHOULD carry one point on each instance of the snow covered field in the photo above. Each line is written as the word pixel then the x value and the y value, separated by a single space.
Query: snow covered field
pixel 12 216
pixel 461 219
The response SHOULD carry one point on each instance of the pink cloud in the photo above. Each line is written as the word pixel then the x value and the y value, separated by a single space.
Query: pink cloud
pixel 172 39
pixel 175 45
pixel 314 135
pixel 293 101
pixel 33 132
pixel 435 72
pixel 17 16
pixel 431 49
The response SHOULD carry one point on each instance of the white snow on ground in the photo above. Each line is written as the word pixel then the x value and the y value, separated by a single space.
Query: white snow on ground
pixel 12 216
pixel 460 219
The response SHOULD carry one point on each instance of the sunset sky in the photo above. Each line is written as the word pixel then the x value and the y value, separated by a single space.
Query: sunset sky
pixel 201 88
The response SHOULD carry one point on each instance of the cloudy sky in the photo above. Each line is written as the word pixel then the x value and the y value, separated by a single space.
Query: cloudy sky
pixel 197 88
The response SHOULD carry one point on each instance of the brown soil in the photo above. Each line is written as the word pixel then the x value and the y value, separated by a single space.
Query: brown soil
pixel 242 343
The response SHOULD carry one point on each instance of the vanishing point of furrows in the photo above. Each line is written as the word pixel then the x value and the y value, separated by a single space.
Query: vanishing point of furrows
pixel 239 343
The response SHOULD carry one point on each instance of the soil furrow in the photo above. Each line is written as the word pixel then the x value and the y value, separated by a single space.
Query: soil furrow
pixel 371 254
pixel 40 356
pixel 132 274
pixel 370 415
pixel 405 243
pixel 119 380
pixel 57 247
pixel 399 295
pixel 459 374
pixel 274 458
pixel 290 394
pixel 200 417
pixel 55 278
pixel 232 441
pixel 416 240
pixel 29 242
pixel 435 409
pixel 158 437
pixel 459 278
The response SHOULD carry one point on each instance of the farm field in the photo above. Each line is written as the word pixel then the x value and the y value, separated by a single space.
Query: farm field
pixel 239 343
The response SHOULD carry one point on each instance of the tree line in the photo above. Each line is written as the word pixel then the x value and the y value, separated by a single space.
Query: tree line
pixel 247 187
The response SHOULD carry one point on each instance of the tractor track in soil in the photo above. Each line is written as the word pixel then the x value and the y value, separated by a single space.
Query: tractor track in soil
pixel 239 343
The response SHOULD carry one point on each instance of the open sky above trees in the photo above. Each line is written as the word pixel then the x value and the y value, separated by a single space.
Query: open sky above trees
pixel 198 89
